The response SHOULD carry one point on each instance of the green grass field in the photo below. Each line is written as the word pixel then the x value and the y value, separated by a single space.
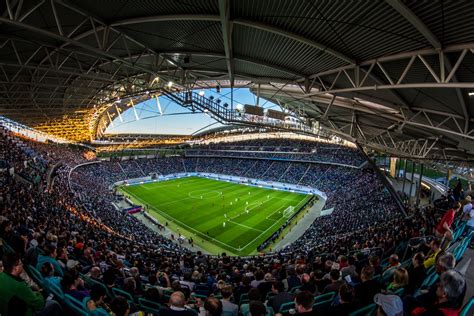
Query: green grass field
pixel 199 207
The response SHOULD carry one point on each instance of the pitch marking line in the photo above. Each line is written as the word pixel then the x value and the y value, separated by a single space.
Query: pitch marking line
pixel 252 228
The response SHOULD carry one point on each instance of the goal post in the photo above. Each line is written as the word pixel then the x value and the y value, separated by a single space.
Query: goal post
pixel 288 212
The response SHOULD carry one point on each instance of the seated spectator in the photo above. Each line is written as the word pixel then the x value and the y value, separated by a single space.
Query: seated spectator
pixel 336 282
pixel 389 305
pixel 281 297
pixel 16 298
pixel 257 309
pixel 349 268
pixel 95 274
pixel 50 256
pixel 375 263
pixel 228 307
pixel 393 264
pixel 292 280
pixel 266 286
pixel 47 271
pixel 450 294
pixel 416 273
pixel 435 249
pixel 120 306
pixel 400 280
pixel 73 285
pixel 304 304
pixel 346 302
pixel 97 300
pixel 212 307
pixel 307 284
pixel 242 288
pixel 254 295
pixel 365 291
pixel 259 276
pixel 176 307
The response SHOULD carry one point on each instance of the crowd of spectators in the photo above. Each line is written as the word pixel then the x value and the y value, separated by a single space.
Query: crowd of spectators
pixel 82 246
pixel 289 149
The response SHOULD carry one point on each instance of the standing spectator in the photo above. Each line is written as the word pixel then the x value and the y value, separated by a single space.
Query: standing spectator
pixel 443 229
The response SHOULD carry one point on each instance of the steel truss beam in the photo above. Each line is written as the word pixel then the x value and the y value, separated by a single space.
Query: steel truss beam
pixel 331 81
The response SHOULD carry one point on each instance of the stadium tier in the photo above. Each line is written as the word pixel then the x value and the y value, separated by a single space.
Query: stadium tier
pixel 59 216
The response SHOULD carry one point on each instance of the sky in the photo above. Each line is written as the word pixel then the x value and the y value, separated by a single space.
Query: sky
pixel 176 119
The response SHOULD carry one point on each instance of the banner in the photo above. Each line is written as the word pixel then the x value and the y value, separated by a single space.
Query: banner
pixel 393 167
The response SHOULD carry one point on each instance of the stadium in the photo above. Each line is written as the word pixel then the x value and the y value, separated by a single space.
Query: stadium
pixel 236 158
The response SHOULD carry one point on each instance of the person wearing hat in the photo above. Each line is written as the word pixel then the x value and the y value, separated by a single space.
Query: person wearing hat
pixel 388 305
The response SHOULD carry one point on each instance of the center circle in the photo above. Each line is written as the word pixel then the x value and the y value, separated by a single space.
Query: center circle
pixel 204 194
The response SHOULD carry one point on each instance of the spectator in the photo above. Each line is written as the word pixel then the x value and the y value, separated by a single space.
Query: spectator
pixel 416 273
pixel 389 305
pixel 97 299
pixel 50 256
pixel 212 307
pixel 336 282
pixel 176 307
pixel 443 229
pixel 450 294
pixel 16 298
pixel 435 249
pixel 120 306
pixel 228 307
pixel 73 285
pixel 280 297
pixel 393 264
pixel 400 280
pixel 375 263
pixel 304 304
pixel 366 290
pixel 257 309
pixel 346 302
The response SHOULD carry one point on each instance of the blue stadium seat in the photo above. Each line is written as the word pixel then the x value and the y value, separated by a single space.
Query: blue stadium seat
pixel 466 308
pixel 368 310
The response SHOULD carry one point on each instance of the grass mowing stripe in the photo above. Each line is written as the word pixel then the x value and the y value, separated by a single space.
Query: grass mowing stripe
pixel 198 205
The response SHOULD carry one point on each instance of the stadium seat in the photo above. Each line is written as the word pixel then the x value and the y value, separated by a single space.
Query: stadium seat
pixel 324 297
pixel 119 292
pixel 55 290
pixel 149 306
pixel 90 282
pixel 368 310
pixel 323 304
pixel 399 292
pixel 294 289
pixel 76 306
pixel 285 308
pixel 36 276
pixel 466 308
pixel 244 298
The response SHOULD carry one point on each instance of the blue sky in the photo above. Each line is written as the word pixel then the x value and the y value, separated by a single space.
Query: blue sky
pixel 177 119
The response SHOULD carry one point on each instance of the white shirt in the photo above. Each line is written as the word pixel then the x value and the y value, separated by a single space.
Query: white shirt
pixel 470 222
pixel 467 208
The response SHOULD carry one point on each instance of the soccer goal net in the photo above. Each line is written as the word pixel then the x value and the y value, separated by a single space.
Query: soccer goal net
pixel 288 211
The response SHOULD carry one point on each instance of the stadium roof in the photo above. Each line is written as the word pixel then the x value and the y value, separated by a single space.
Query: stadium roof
pixel 394 74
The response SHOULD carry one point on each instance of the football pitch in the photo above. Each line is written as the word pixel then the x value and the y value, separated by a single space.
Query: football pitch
pixel 220 216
